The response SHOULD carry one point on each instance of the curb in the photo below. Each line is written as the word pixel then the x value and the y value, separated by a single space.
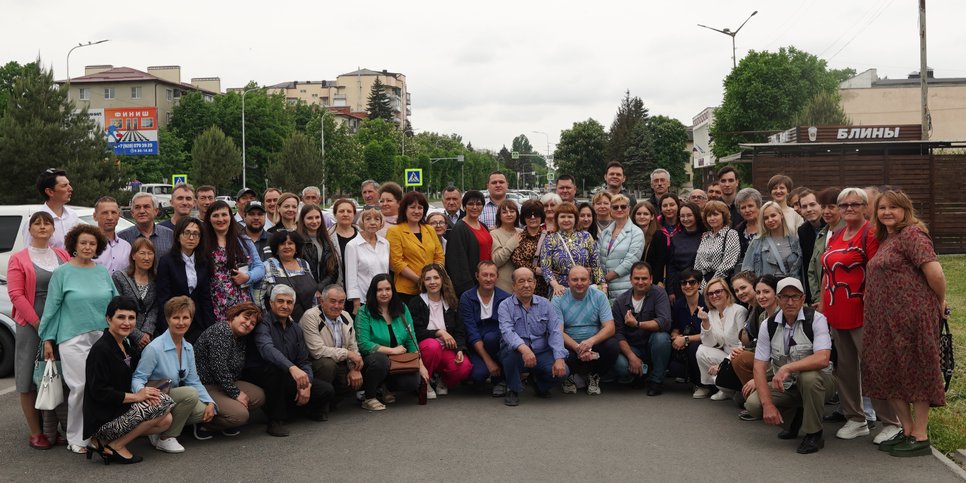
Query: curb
pixel 955 468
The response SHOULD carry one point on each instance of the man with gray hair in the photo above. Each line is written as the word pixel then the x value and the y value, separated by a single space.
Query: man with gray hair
pixel 281 366
pixel 660 185
pixel 698 197
pixel 331 341
pixel 144 209
pixel 749 202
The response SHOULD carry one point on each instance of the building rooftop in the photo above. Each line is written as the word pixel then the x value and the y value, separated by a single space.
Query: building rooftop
pixel 127 74
pixel 294 84
pixel 371 72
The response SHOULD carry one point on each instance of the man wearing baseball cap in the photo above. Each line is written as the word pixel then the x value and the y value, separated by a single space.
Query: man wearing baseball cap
pixel 255 228
pixel 796 346
pixel 244 196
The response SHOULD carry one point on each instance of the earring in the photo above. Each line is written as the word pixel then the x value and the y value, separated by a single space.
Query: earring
pixel 75 253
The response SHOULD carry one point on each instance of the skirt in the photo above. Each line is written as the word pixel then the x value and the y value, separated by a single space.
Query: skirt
pixel 135 415
pixel 25 349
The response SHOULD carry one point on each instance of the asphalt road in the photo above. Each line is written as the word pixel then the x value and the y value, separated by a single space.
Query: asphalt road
pixel 621 435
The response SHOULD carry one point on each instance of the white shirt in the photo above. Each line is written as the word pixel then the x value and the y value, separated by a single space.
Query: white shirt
pixel 486 310
pixel 62 225
pixel 362 263
pixel 117 256
pixel 190 272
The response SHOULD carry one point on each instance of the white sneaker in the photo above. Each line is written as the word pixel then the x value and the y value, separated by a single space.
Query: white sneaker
pixel 888 432
pixel 153 439
pixel 593 385
pixel 441 388
pixel 701 393
pixel 430 393
pixel 852 430
pixel 569 387
pixel 170 445
pixel 722 395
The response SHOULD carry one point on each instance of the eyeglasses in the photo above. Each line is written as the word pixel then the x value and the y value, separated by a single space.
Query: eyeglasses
pixel 437 223
pixel 715 293
pixel 698 197
pixel 191 234
pixel 850 206
pixel 532 215
pixel 474 203
pixel 688 283
pixel 618 207
pixel 790 298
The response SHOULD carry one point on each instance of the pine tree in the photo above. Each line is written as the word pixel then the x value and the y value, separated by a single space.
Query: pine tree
pixel 630 114
pixel 215 159
pixel 38 130
pixel 379 106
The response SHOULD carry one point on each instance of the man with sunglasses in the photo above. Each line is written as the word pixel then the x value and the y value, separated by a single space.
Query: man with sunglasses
pixel 796 346
pixel 642 333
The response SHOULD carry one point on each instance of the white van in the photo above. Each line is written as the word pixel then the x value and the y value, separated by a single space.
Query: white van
pixel 162 194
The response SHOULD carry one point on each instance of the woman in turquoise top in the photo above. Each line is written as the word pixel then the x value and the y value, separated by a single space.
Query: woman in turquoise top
pixel 77 299
pixel 172 358
pixel 383 328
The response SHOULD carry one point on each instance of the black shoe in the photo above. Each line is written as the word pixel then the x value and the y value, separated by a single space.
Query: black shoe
pixel 792 431
pixel 200 433
pixel 543 394
pixel 835 417
pixel 656 389
pixel 113 457
pixel 277 429
pixel 511 398
pixel 230 432
pixel 811 443
pixel 871 424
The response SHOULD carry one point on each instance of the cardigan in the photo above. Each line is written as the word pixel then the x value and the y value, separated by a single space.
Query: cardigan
pixel 108 380
pixel 462 256
pixel 147 307
pixel 419 312
pixel 22 285
pixel 504 244
pixel 407 251
pixel 172 281
pixel 373 331
pixel 620 255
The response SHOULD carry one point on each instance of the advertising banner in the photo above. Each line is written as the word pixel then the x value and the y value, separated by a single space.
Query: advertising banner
pixel 132 131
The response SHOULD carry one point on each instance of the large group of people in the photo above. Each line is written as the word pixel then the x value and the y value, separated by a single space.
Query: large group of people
pixel 190 326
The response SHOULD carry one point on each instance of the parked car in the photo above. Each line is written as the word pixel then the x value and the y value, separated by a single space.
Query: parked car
pixel 227 199
pixel 7 330
pixel 14 218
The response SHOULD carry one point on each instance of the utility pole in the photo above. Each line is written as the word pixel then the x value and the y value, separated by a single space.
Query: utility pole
pixel 923 73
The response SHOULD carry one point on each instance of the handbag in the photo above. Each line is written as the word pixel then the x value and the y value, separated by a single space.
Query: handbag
pixel 946 362
pixel 39 364
pixel 407 363
pixel 50 391
pixel 726 377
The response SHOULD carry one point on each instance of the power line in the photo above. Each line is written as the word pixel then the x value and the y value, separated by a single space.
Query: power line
pixel 870 22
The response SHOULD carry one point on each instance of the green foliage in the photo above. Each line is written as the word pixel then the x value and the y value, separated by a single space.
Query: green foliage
pixel 580 152
pixel 216 160
pixel 823 109
pixel 344 167
pixel 39 129
pixel 9 73
pixel 379 160
pixel 268 122
pixel 631 116
pixel 298 165
pixel 303 113
pixel 191 117
pixel 379 106
pixel 668 139
pixel 639 157
pixel 764 93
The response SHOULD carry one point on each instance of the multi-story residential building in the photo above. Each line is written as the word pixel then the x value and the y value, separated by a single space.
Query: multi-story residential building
pixel 109 87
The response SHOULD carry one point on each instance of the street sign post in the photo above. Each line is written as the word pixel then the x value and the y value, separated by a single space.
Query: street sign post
pixel 414 177
pixel 515 155
pixel 177 179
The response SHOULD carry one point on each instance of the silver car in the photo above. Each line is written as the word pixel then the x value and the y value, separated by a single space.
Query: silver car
pixel 7 329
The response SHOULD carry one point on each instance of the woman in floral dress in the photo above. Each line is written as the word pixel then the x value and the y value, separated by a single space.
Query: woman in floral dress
pixel 235 264
pixel 567 247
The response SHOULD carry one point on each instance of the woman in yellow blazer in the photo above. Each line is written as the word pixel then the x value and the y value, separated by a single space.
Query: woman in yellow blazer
pixel 412 245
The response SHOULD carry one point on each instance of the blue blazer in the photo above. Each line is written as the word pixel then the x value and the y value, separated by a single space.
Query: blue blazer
pixel 172 281
pixel 470 313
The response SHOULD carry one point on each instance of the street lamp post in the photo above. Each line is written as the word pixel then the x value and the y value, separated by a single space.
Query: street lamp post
pixel 244 163
pixel 728 32
pixel 79 45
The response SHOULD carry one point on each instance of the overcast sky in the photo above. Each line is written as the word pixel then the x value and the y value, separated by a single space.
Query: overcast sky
pixel 488 70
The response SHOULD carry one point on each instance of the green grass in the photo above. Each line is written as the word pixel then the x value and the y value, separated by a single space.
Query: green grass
pixel 947 425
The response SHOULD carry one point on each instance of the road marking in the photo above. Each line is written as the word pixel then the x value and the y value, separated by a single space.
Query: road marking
pixel 8 390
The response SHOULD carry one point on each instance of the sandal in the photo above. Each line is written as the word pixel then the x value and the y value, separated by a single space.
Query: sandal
pixel 373 404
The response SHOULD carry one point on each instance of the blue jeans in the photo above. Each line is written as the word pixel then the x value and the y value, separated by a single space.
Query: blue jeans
pixel 657 354
pixel 491 343
pixel 542 372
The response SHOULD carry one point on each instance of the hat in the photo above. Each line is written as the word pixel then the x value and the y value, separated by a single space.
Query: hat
pixel 245 191
pixel 790 282
pixel 254 205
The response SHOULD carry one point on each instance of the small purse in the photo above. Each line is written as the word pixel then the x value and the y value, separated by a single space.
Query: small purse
pixel 407 363
pixel 726 377
pixel 947 362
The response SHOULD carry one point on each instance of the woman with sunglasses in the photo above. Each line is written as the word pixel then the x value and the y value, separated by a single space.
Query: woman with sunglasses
pixel 843 285
pixel 720 327
pixel 169 361
pixel 621 245
pixel 468 244
pixel 686 327
pixel 527 252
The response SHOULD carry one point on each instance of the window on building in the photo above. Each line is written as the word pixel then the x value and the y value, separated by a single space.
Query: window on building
pixel 136 92
pixel 169 94
pixel 167 117
pixel 108 93
pixel 85 94
pixel 177 93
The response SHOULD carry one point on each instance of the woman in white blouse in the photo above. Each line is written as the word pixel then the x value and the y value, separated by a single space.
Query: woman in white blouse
pixel 720 327
pixel 366 256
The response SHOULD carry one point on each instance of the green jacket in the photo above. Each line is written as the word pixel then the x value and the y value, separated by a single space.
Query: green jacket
pixel 372 332
pixel 815 264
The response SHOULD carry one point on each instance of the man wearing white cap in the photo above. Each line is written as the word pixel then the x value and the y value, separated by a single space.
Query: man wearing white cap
pixel 795 344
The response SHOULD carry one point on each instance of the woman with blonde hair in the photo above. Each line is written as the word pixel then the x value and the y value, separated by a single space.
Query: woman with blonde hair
pixel 775 251
pixel 365 257
pixel 621 245
pixel 720 328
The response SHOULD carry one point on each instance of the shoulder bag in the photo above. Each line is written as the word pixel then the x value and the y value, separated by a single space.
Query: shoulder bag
pixel 406 363
pixel 946 361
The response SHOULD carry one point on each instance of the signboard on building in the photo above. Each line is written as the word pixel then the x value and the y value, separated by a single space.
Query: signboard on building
pixel 132 131
pixel 838 134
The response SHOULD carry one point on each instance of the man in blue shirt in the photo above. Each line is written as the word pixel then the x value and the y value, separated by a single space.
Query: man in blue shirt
pixel 532 339
pixel 588 331
pixel 479 310
pixel 642 332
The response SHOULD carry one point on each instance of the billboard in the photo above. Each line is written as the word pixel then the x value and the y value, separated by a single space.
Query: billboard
pixel 131 131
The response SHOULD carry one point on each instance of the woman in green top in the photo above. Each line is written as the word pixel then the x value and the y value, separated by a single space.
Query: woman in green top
pixel 77 299
pixel 384 327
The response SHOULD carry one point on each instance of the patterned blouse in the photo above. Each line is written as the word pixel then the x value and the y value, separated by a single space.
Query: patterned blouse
pixel 718 254
pixel 582 249
pixel 526 254
pixel 220 358
pixel 224 292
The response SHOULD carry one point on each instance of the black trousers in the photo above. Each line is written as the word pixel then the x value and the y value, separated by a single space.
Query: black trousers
pixel 280 390
pixel 375 372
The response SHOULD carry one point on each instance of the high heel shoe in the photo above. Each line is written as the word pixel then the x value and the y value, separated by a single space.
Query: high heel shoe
pixel 117 458
pixel 105 458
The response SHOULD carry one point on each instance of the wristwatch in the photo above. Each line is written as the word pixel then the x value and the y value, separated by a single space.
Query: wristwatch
pixel 687 339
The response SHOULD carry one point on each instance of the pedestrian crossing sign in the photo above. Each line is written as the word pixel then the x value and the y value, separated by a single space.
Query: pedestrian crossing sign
pixel 177 179
pixel 414 177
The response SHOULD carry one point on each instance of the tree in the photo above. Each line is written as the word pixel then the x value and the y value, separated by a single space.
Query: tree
pixel 764 93
pixel 172 158
pixel 9 73
pixel 379 106
pixel 823 109
pixel 344 166
pixel 523 164
pixel 631 114
pixel 191 117
pixel 39 129
pixel 215 160
pixel 298 165
pixel 668 139
pixel 380 142
pixel 639 157
pixel 580 152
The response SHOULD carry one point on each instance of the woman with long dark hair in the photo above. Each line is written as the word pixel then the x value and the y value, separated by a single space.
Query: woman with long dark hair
pixel 317 249
pixel 184 271
pixel 233 260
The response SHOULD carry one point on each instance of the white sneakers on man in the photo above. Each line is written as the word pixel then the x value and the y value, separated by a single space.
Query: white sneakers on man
pixel 722 395
pixel 701 392
pixel 853 429
pixel 888 432
pixel 170 445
